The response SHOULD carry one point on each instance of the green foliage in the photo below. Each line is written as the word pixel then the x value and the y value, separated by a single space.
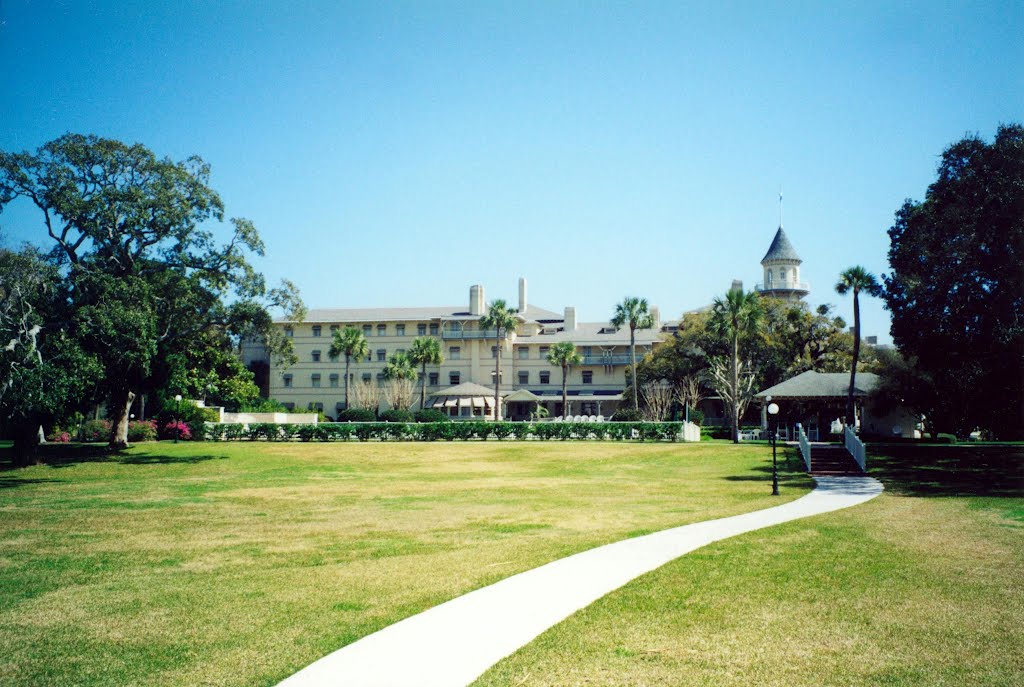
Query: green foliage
pixel 396 416
pixel 149 286
pixel 628 415
pixel 263 405
pixel 956 291
pixel 142 430
pixel 399 366
pixel 447 431
pixel 93 431
pixel 430 415
pixel 696 416
pixel 356 415
pixel 634 312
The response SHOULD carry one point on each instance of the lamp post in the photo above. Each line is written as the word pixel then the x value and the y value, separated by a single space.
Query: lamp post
pixel 177 415
pixel 773 411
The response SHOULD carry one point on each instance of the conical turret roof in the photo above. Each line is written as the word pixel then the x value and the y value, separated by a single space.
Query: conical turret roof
pixel 781 249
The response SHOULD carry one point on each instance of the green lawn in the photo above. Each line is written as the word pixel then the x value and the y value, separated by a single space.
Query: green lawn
pixel 238 564
pixel 921 586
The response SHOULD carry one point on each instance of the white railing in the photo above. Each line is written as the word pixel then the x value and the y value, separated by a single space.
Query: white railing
pixel 856 447
pixel 805 448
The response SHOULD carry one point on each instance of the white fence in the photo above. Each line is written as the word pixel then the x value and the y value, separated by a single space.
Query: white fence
pixel 277 418
pixel 856 448
pixel 805 448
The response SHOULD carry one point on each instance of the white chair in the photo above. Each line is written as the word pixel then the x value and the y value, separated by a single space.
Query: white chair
pixel 576 418
pixel 600 418
pixel 593 418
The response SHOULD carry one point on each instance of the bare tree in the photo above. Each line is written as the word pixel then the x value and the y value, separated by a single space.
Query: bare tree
pixel 367 395
pixel 723 382
pixel 399 393
pixel 658 397
pixel 691 391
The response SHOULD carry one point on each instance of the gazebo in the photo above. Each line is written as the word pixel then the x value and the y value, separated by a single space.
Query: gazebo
pixel 466 400
pixel 816 399
pixel 524 400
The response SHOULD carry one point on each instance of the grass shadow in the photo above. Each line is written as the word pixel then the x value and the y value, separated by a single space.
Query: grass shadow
pixel 165 459
pixel 949 470
pixel 14 482
pixel 60 455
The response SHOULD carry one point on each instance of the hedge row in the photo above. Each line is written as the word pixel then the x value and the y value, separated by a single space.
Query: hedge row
pixel 445 431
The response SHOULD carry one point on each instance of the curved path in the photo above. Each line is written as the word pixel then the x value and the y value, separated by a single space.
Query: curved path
pixel 452 644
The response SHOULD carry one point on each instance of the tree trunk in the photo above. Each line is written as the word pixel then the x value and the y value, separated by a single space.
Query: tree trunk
pixel 348 359
pixel 423 386
pixel 632 357
pixel 851 421
pixel 142 407
pixel 120 405
pixel 735 389
pixel 497 375
pixel 565 389
pixel 26 442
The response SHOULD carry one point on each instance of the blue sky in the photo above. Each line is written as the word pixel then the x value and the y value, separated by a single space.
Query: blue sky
pixel 395 153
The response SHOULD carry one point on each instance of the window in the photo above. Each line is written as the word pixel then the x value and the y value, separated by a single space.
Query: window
pixel 315 379
pixel 288 405
pixel 588 350
pixel 289 331
pixel 399 330
pixel 382 355
pixel 453 378
pixel 382 330
pixel 434 379
pixel 524 377
pixel 588 377
pixel 316 356
pixel 433 328
pixel 421 329
pixel 545 377
pixel 287 381
pixel 524 353
pixel 494 351
pixel 588 408
pixel 544 352
pixel 316 406
pixel 380 379
pixel 316 330
pixel 782 277
pixel 334 328
pixel 399 351
pixel 465 411
pixel 367 329
pixel 334 381
pixel 453 352
pixel 367 377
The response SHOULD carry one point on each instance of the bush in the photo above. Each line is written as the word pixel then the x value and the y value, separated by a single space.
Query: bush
pixel 95 430
pixel 178 429
pixel 396 416
pixel 696 416
pixel 356 415
pixel 430 415
pixel 143 430
pixel 58 436
pixel 627 415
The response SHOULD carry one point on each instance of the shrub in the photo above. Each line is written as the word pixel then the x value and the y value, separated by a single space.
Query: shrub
pixel 58 436
pixel 142 430
pixel 356 415
pixel 627 415
pixel 95 430
pixel 696 416
pixel 178 429
pixel 396 416
pixel 430 415
pixel 502 430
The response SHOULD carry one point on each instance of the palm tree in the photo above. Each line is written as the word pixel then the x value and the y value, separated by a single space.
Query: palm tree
pixel 400 366
pixel 425 351
pixel 634 312
pixel 737 316
pixel 563 354
pixel 502 320
pixel 351 343
pixel 856 279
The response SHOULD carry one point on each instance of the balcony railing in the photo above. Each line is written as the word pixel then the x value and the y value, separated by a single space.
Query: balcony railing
pixel 610 359
pixel 783 285
pixel 468 334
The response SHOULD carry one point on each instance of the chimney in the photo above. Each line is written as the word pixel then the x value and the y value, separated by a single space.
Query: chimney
pixel 737 285
pixel 871 340
pixel 522 294
pixel 656 316
pixel 476 300
pixel 570 319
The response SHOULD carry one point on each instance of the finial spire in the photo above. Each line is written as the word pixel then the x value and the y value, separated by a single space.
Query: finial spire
pixel 780 206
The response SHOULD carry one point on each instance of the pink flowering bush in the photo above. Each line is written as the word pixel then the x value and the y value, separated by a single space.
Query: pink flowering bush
pixel 143 430
pixel 96 430
pixel 57 436
pixel 183 431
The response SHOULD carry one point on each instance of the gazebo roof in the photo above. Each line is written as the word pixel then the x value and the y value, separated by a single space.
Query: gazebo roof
pixel 465 389
pixel 813 384
pixel 523 395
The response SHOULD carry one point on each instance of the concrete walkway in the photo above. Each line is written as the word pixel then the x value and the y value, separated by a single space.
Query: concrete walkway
pixel 452 644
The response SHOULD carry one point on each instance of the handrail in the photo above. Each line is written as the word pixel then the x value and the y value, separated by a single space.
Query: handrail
pixel 805 447
pixel 856 447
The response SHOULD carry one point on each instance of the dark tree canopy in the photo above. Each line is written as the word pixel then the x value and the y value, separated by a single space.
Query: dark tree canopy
pixel 148 279
pixel 956 290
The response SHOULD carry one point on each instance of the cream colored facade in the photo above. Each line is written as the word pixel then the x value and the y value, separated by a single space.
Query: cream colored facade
pixel 595 387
